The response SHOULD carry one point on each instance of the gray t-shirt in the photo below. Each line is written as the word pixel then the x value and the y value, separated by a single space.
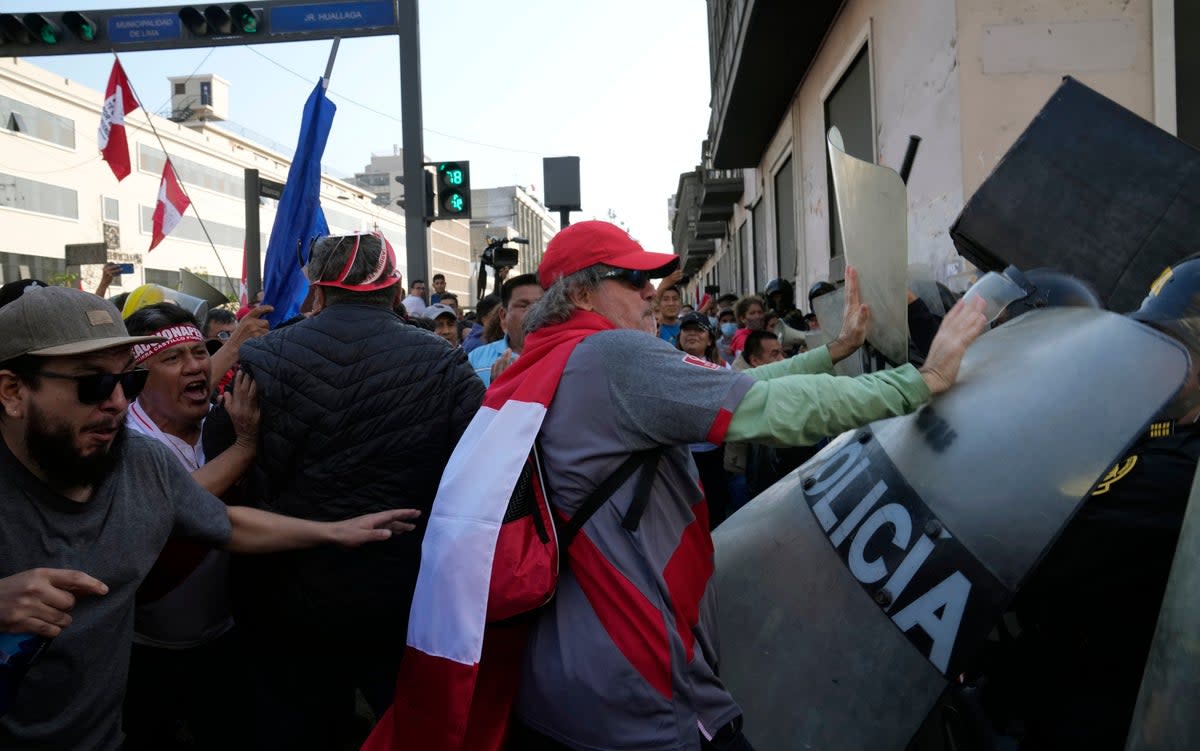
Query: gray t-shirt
pixel 71 697
pixel 625 656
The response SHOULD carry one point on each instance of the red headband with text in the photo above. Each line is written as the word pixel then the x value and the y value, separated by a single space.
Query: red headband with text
pixel 173 336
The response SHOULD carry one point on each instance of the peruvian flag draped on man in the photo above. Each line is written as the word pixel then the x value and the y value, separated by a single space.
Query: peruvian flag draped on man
pixel 119 101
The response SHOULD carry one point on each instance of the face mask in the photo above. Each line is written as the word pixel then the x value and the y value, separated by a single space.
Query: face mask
pixel 727 329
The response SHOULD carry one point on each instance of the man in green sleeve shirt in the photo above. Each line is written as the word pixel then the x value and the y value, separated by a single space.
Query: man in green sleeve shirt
pixel 630 634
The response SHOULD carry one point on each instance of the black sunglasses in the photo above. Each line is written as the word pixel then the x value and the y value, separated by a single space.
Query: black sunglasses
pixel 635 279
pixel 96 387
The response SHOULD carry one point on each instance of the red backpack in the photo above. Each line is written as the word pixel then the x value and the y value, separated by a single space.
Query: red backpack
pixel 530 544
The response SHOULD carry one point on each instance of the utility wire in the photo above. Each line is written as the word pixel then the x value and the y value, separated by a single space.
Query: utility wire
pixel 390 116
pixel 167 158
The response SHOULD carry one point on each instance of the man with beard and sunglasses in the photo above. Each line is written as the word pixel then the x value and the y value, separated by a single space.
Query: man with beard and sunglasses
pixel 86 510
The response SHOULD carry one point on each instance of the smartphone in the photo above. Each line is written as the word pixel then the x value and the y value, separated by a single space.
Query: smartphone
pixel 126 268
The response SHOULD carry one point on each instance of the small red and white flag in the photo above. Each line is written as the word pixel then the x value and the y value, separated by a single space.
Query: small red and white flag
pixel 171 204
pixel 119 101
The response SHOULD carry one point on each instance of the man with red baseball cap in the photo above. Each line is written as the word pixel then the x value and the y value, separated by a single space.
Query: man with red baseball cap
pixel 625 655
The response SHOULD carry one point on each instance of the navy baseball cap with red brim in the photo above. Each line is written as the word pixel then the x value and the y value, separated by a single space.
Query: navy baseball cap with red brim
pixel 589 243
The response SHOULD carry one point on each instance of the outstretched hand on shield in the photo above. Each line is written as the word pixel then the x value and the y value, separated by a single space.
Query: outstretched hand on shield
pixel 855 319
pixel 961 326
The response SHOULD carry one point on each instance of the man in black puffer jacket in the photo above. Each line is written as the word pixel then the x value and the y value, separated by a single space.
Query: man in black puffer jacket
pixel 360 412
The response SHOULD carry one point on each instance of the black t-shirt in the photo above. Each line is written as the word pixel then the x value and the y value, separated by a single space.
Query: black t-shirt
pixel 1086 616
pixel 71 696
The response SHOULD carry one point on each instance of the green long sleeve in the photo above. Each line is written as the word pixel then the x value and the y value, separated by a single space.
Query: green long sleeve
pixel 797 409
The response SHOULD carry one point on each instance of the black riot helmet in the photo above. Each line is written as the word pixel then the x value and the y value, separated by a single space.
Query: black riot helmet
pixel 818 289
pixel 1173 307
pixel 787 296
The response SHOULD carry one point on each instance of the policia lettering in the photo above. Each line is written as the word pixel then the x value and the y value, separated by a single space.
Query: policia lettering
pixel 930 586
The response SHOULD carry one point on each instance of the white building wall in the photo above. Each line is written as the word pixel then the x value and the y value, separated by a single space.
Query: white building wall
pixel 81 169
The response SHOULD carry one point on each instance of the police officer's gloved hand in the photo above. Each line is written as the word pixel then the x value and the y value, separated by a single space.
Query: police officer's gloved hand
pixel 728 738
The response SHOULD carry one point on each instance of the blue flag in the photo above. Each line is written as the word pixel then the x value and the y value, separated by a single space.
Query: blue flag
pixel 299 218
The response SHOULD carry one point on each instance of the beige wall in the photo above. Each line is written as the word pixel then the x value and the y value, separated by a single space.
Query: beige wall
pixel 1014 54
pixel 916 92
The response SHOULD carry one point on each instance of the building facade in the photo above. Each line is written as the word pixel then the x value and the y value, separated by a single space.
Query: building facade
pixel 966 76
pixel 55 190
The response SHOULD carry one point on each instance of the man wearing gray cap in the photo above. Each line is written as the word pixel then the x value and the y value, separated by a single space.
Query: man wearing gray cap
pixel 86 509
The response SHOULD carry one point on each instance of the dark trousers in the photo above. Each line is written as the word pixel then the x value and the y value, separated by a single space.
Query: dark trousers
pixel 304 692
pixel 191 699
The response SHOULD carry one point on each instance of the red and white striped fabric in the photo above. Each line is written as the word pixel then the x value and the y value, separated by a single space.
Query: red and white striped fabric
pixel 119 101
pixel 458 678
pixel 171 204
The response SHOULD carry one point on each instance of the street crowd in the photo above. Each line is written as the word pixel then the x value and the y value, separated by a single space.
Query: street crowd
pixel 219 536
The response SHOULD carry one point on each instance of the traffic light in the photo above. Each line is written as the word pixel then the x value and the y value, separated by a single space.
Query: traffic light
pixel 38 29
pixel 215 20
pixel 454 190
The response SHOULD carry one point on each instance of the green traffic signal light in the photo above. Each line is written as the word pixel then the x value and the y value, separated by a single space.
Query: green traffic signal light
pixel 244 19
pixel 454 203
pixel 451 174
pixel 80 25
pixel 42 28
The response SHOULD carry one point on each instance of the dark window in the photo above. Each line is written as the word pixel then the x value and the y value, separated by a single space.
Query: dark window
pixel 785 222
pixel 206 93
pixel 181 88
pixel 849 108
pixel 1187 70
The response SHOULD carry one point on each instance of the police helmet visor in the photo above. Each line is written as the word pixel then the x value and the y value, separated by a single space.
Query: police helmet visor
pixel 997 292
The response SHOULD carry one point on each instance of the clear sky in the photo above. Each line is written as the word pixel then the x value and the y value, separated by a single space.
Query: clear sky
pixel 623 84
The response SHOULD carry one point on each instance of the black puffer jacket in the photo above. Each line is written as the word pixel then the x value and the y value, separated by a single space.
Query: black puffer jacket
pixel 360 412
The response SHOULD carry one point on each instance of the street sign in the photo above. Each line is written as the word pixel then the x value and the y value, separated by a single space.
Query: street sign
pixel 83 253
pixel 144 27
pixel 324 17
pixel 270 188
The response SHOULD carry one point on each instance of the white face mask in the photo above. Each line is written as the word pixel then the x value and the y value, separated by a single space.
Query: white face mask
pixel 727 329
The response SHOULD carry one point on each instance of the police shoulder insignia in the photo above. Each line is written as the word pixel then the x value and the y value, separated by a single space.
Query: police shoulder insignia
pixel 1121 469
pixel 1161 429
pixel 693 360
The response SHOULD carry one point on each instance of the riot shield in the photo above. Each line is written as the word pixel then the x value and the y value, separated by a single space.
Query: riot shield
pixel 852 589
pixel 830 309
pixel 1165 716
pixel 1090 189
pixel 190 284
pixel 872 205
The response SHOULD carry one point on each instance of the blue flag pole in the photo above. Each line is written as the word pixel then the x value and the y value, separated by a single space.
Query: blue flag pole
pixel 298 219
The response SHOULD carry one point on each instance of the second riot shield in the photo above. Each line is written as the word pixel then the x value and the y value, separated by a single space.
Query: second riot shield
pixel 872 205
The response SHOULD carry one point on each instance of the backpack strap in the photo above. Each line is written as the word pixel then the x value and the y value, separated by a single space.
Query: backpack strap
pixel 647 459
pixel 641 491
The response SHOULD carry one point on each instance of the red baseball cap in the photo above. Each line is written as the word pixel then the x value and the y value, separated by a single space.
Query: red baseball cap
pixel 589 243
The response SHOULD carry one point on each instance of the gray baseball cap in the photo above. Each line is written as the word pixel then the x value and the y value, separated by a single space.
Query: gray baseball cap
pixel 57 321
pixel 437 310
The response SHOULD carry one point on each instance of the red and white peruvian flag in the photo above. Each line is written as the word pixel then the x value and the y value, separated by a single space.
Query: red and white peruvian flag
pixel 171 205
pixel 119 101
pixel 458 678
